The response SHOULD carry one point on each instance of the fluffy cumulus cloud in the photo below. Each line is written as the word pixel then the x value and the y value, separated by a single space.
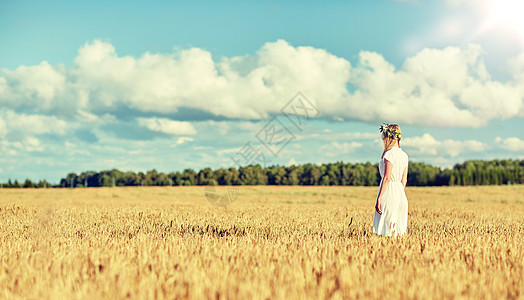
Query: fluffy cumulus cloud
pixel 511 144
pixel 428 145
pixel 41 86
pixel 18 130
pixel 167 126
pixel 440 87
pixel 448 88
pixel 247 87
pixel 33 123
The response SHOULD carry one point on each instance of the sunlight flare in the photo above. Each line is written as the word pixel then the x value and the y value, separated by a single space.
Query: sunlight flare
pixel 508 14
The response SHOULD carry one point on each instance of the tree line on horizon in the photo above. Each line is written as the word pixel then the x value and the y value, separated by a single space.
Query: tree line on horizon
pixel 473 172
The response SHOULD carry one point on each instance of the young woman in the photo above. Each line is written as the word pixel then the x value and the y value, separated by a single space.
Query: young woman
pixel 391 208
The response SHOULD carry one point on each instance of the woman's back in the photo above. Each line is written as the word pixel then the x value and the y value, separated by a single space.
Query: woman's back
pixel 399 159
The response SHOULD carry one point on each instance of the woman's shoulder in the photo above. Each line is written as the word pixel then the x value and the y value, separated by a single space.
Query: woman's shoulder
pixel 395 152
pixel 388 155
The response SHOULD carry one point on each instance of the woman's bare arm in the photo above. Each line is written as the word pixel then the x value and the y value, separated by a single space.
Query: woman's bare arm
pixel 384 185
pixel 405 177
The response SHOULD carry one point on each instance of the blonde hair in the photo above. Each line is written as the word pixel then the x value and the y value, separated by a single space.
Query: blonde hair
pixel 389 139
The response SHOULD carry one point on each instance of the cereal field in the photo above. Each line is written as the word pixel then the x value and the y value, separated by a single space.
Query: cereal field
pixel 271 243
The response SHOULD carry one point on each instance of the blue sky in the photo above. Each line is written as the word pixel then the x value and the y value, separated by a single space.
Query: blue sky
pixel 170 85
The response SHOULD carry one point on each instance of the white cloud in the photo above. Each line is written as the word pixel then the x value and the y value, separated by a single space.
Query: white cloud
pixel 249 87
pixel 449 88
pixel 87 116
pixel 167 126
pixel 33 144
pixel 34 124
pixel 428 145
pixel 29 144
pixel 34 85
pixel 438 87
pixel 335 149
pixel 183 139
pixel 511 143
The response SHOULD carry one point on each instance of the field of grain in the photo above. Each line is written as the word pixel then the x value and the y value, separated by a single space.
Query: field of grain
pixel 272 242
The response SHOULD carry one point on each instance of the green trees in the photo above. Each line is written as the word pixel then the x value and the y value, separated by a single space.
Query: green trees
pixel 311 175
pixel 26 184
pixel 189 177
pixel 477 172
pixel 473 172
pixel 420 174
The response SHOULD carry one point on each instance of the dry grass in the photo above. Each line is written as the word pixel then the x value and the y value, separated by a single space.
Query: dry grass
pixel 273 242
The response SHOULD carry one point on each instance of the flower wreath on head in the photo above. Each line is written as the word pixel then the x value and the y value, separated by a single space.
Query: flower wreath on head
pixel 385 128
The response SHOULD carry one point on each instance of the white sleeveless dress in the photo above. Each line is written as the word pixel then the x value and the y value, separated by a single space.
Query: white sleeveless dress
pixel 394 218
